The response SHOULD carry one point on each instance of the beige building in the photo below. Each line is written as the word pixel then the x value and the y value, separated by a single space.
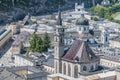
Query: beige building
pixel 59 76
pixel 14 27
pixel 115 43
pixel 109 62
pixel 110 75
pixel 21 60
pixel 5 36
pixel 21 42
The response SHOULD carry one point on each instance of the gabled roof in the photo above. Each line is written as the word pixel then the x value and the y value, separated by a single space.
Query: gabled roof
pixel 22 37
pixel 81 52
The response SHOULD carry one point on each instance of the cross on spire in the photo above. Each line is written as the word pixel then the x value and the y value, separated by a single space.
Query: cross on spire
pixel 59 21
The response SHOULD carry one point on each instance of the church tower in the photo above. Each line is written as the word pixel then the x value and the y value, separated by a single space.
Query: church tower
pixel 58 44
pixel 105 37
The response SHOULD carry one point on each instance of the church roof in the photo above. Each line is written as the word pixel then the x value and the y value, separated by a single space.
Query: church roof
pixel 82 20
pixel 81 52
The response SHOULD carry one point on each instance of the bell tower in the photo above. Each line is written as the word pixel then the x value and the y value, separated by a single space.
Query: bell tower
pixel 59 38
pixel 58 44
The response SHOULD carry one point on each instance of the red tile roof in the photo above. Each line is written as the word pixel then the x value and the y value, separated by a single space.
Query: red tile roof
pixel 81 52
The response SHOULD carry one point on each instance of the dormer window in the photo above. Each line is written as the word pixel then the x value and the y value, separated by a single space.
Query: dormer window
pixel 92 68
pixel 77 58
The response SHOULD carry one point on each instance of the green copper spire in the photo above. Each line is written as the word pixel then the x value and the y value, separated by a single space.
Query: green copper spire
pixel 59 21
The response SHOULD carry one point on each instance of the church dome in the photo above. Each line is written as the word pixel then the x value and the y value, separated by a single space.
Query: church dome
pixel 82 21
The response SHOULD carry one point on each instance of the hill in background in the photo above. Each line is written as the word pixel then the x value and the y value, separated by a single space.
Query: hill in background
pixel 36 7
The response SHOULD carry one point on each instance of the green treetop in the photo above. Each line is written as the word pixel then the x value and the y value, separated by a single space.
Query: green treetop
pixel 46 41
pixel 33 42
pixel 37 44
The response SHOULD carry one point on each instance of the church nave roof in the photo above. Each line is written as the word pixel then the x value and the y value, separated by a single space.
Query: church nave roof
pixel 81 52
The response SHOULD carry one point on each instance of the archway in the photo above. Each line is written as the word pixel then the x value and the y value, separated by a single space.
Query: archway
pixel 69 70
pixel 84 68
pixel 76 71
pixel 64 68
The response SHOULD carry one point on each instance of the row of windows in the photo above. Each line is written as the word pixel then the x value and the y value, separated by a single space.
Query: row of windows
pixel 69 69
pixel 91 68
pixel 109 64
pixel 76 73
pixel 84 29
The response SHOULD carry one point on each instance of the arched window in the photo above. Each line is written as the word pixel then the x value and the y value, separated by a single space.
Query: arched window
pixel 106 39
pixel 56 39
pixel 78 9
pixel 92 68
pixel 84 68
pixel 64 68
pixel 102 38
pixel 84 28
pixel 87 40
pixel 56 66
pixel 61 40
pixel 69 70
pixel 80 29
pixel 76 71
pixel 96 66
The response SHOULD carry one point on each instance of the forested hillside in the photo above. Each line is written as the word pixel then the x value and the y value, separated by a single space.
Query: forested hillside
pixel 107 12
pixel 34 7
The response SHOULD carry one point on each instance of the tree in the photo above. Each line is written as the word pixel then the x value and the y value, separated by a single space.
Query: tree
pixel 99 10
pixel 94 18
pixel 46 41
pixel 37 44
pixel 113 1
pixel 106 12
pixel 33 42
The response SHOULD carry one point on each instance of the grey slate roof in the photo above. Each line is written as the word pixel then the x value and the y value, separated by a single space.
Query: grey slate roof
pixel 6 75
pixel 49 62
pixel 22 37
pixel 9 74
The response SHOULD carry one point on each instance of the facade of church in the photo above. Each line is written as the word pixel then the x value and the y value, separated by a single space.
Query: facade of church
pixel 77 59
